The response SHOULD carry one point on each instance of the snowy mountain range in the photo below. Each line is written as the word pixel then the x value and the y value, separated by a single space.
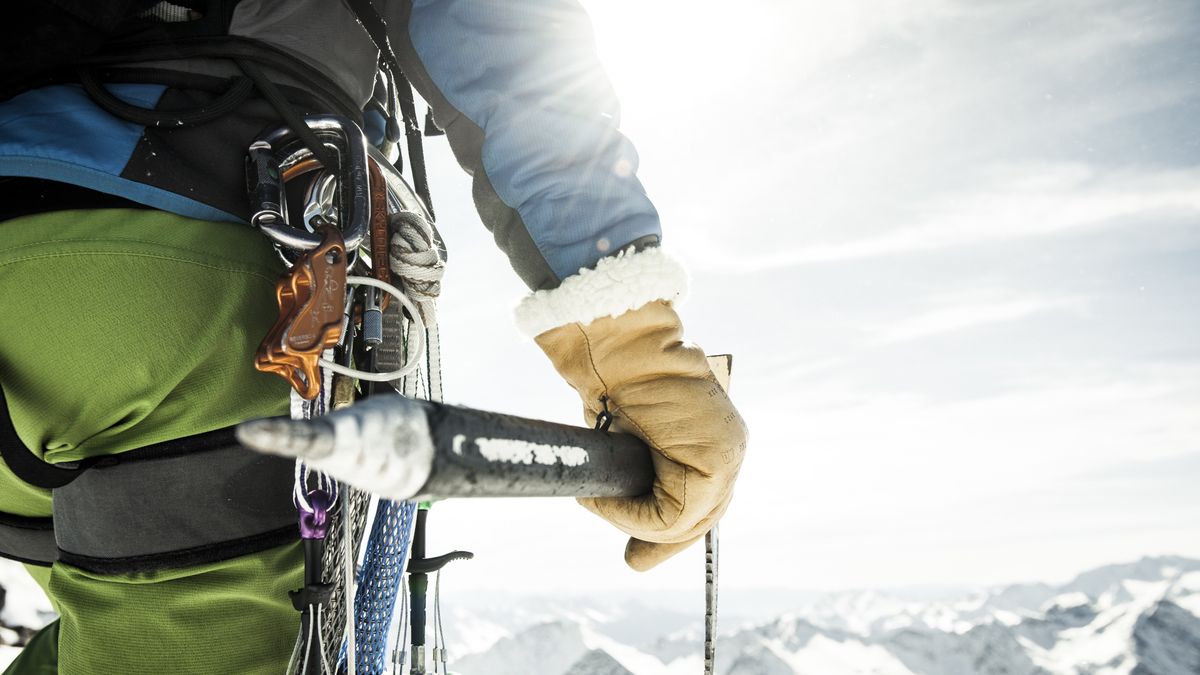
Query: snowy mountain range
pixel 1140 618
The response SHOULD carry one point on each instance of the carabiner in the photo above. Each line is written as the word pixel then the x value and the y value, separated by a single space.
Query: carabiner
pixel 274 153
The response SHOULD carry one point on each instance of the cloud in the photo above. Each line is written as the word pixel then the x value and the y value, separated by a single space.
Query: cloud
pixel 1022 202
pixel 968 312
pixel 931 127
pixel 886 458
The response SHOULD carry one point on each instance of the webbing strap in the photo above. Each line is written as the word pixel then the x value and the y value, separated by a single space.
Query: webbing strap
pixel 27 540
pixel 376 29
pixel 172 510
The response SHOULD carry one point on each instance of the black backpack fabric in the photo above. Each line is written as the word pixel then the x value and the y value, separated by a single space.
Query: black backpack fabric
pixel 46 41
pixel 97 43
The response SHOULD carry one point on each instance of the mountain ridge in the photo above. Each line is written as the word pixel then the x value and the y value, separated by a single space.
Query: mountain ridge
pixel 1135 618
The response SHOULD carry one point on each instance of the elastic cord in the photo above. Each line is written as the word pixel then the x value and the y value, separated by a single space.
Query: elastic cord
pixel 238 92
pixel 418 331
pixel 290 117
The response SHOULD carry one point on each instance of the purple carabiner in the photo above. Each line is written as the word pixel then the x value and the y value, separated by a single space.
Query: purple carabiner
pixel 315 525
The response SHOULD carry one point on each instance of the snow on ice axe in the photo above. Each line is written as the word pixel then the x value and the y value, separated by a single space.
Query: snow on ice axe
pixel 404 448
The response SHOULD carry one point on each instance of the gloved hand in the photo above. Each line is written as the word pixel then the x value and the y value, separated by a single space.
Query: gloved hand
pixel 634 363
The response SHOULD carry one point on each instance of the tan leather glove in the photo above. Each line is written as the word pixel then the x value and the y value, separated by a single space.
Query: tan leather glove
pixel 659 388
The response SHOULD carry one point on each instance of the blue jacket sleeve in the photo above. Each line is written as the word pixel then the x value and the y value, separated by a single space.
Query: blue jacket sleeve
pixel 531 115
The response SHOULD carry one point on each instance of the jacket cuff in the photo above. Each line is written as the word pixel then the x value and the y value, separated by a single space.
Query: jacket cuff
pixel 618 284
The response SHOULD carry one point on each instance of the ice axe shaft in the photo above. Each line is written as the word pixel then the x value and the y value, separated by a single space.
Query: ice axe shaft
pixel 486 454
pixel 403 448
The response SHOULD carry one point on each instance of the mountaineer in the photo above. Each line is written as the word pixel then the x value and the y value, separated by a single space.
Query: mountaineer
pixel 135 294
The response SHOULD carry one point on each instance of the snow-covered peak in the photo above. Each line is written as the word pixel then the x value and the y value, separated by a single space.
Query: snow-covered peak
pixel 1138 618
pixel 1095 583
pixel 1100 623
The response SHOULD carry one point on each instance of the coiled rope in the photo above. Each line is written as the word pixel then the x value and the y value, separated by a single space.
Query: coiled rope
pixel 414 258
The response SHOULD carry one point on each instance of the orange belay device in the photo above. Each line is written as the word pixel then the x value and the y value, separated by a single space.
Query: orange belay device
pixel 311 315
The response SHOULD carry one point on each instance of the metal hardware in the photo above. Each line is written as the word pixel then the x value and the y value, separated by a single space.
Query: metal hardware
pixel 274 154
pixel 310 319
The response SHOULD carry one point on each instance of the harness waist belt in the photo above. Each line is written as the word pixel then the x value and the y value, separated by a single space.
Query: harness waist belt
pixel 184 502
pixel 152 512
pixel 27 540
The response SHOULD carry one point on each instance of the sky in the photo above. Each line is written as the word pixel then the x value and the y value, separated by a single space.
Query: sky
pixel 954 247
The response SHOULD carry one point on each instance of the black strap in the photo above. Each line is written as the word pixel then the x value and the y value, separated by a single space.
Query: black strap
pixel 235 48
pixel 416 147
pixel 28 540
pixel 28 466
pixel 188 501
pixel 178 447
pixel 289 114
pixel 198 555
pixel 377 30
pixel 40 473
pixel 249 55
pixel 239 91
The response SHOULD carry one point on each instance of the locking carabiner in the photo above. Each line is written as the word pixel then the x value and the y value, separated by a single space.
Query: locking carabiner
pixel 274 153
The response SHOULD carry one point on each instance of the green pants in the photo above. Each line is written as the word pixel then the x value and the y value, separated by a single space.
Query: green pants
pixel 118 329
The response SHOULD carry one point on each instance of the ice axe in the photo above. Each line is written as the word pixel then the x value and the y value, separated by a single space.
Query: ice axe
pixel 404 448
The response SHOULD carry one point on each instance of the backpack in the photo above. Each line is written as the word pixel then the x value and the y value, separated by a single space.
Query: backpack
pixel 56 41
